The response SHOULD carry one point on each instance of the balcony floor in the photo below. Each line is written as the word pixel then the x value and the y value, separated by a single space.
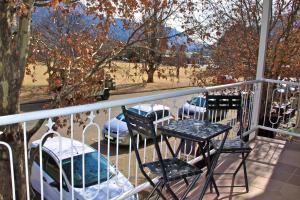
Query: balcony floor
pixel 273 172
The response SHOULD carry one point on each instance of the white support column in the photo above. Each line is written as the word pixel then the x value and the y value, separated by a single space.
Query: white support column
pixel 263 42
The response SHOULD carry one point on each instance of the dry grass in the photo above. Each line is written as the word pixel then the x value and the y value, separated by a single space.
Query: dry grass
pixel 123 73
pixel 39 75
pixel 126 73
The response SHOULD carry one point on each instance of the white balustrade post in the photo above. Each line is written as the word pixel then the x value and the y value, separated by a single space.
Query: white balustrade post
pixel 267 5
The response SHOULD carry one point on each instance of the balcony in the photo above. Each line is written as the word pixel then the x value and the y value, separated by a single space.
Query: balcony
pixel 273 173
pixel 273 165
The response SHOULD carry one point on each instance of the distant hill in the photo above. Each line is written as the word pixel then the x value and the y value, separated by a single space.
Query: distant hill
pixel 117 31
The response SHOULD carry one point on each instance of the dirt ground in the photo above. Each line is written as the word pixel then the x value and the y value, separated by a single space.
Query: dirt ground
pixel 126 73
pixel 129 77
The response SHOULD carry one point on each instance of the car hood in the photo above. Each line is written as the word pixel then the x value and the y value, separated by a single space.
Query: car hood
pixel 114 123
pixel 193 108
pixel 116 186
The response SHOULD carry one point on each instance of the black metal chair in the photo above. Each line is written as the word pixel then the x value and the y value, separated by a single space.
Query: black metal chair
pixel 167 170
pixel 239 143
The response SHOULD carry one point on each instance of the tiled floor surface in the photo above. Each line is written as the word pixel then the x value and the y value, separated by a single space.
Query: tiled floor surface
pixel 273 172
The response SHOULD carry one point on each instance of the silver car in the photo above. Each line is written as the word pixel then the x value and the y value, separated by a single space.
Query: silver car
pixel 117 127
pixel 196 109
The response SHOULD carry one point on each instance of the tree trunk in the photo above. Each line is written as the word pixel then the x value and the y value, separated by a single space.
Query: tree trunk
pixel 14 42
pixel 19 171
pixel 150 73
pixel 177 72
pixel 12 134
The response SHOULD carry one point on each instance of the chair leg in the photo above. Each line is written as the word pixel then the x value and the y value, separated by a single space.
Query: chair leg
pixel 171 192
pixel 162 187
pixel 155 188
pixel 190 187
pixel 151 193
pixel 245 172
pixel 186 182
pixel 241 163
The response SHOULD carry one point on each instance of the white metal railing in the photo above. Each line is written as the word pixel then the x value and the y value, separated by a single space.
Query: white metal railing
pixel 120 158
pixel 13 186
pixel 281 107
pixel 59 112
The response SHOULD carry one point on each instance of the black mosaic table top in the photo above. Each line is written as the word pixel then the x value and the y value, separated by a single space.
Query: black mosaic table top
pixel 193 129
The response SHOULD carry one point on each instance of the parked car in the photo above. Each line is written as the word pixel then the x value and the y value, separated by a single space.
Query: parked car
pixel 118 125
pixel 225 79
pixel 284 88
pixel 117 185
pixel 196 108
pixel 106 85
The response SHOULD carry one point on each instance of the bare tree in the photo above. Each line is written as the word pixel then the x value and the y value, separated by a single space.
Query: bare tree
pixel 155 37
pixel 234 28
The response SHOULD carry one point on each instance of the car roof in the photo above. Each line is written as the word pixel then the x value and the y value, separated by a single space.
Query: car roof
pixel 200 96
pixel 151 107
pixel 52 144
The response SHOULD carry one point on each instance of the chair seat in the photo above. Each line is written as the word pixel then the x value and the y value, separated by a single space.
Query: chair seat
pixel 233 145
pixel 175 169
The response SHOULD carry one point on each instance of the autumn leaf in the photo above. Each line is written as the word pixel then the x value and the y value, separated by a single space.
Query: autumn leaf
pixel 54 3
pixel 23 10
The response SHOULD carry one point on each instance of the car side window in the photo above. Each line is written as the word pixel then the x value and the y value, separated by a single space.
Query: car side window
pixel 166 113
pixel 162 113
pixel 35 152
pixel 159 114
pixel 52 170
pixel 153 116
pixel 201 102
pixel 49 166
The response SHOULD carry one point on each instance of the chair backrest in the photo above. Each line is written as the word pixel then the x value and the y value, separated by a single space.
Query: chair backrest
pixel 226 103
pixel 223 102
pixel 144 126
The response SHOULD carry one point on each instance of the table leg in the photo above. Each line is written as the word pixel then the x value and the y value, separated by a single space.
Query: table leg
pixel 174 154
pixel 169 146
pixel 207 162
pixel 179 147
pixel 212 167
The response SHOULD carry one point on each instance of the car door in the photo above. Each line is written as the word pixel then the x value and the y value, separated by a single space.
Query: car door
pixel 51 177
pixel 35 169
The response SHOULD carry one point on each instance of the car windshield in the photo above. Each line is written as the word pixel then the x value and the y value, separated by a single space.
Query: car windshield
pixel 198 101
pixel 122 118
pixel 91 169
